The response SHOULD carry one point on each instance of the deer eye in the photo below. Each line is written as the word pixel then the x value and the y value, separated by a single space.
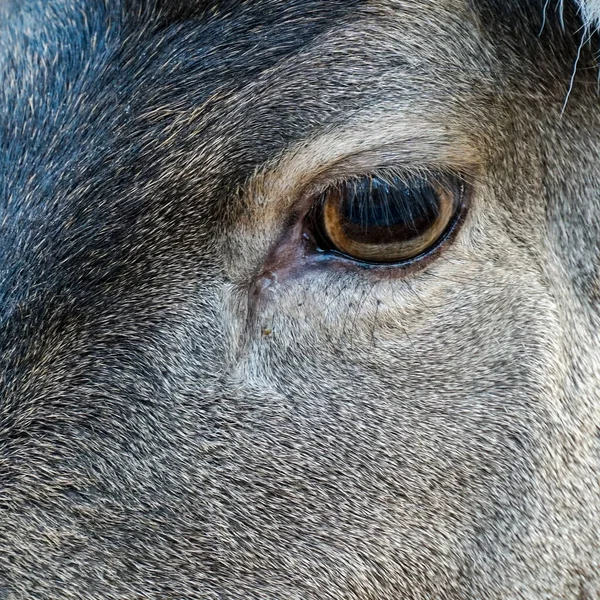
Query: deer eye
pixel 387 219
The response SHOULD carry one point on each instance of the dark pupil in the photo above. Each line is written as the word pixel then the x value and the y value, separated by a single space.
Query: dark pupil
pixel 380 212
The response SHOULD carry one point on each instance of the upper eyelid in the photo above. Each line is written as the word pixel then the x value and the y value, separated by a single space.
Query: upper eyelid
pixel 313 166
pixel 386 173
pixel 313 192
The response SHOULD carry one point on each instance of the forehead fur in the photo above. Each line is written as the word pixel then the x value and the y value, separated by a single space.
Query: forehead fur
pixel 171 10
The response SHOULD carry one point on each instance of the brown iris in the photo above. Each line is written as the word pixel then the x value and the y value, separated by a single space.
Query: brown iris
pixel 387 220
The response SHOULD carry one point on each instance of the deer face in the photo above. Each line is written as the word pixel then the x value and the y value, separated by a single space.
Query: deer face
pixel 299 300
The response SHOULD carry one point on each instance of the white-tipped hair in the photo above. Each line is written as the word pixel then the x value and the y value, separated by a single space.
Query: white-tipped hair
pixel 590 9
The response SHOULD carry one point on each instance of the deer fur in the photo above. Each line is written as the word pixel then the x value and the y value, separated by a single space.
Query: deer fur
pixel 591 12
pixel 188 411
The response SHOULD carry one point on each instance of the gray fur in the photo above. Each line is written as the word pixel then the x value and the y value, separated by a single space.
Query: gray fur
pixel 183 417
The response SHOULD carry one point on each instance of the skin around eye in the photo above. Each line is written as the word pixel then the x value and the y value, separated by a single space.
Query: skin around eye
pixel 388 220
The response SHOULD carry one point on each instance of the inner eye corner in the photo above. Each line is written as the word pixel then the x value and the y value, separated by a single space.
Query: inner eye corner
pixel 387 219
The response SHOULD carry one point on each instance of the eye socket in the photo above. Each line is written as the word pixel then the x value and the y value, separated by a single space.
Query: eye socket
pixel 391 219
